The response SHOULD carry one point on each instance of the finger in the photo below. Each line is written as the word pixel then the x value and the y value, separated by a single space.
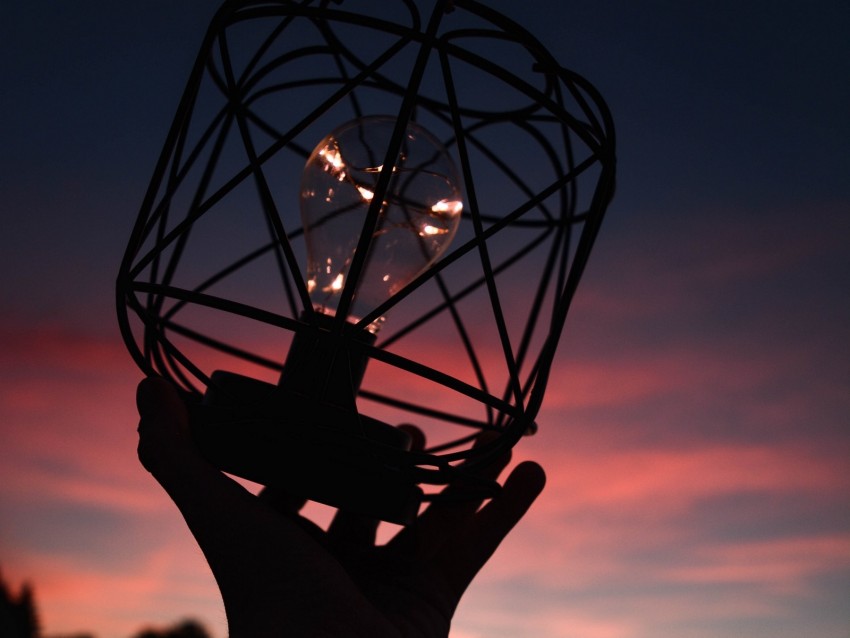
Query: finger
pixel 164 439
pixel 228 522
pixel 281 501
pixel 444 516
pixel 417 436
pixel 165 446
pixel 460 561
pixel 457 501
pixel 349 528
pixel 167 451
pixel 288 505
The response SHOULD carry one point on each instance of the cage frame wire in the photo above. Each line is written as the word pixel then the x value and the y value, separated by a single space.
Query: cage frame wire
pixel 512 412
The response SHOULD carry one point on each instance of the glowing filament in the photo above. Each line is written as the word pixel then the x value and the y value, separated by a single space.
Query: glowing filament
pixel 333 158
pixel 333 162
pixel 430 231
pixel 450 207
pixel 336 285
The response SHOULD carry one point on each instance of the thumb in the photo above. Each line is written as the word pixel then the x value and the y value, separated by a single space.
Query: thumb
pixel 462 560
pixel 167 451
pixel 253 551
pixel 164 439
pixel 211 503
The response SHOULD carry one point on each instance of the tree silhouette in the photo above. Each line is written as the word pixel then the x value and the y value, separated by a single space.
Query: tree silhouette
pixel 18 617
pixel 183 629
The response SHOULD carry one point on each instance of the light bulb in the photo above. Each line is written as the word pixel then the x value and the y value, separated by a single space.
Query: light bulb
pixel 419 213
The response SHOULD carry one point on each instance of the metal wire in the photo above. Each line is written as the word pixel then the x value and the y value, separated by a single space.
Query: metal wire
pixel 537 162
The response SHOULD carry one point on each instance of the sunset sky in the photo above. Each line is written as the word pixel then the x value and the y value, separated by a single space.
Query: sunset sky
pixel 696 432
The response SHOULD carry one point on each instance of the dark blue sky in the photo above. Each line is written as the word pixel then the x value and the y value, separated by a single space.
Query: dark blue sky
pixel 716 104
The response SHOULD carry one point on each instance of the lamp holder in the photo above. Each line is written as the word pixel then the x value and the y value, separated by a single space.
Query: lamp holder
pixel 212 283
pixel 305 433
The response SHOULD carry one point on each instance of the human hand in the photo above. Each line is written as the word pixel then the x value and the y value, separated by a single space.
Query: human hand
pixel 281 575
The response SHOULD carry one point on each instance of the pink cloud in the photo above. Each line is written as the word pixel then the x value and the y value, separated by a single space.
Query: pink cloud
pixel 68 420
pixel 601 509
pixel 670 478
pixel 783 565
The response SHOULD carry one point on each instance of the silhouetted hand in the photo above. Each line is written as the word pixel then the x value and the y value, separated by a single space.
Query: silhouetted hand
pixel 281 575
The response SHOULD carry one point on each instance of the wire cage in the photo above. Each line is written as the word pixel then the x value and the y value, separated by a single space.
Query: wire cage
pixel 219 276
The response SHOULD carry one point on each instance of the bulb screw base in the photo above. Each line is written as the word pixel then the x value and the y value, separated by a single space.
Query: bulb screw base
pixel 305 435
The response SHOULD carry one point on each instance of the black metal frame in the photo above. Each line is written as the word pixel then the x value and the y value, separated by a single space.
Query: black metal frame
pixel 564 192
